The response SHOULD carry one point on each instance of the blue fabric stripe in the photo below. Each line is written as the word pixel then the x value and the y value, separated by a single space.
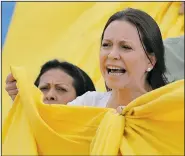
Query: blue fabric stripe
pixel 7 12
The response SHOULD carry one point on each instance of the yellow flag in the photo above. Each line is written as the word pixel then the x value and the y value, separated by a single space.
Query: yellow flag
pixel 153 124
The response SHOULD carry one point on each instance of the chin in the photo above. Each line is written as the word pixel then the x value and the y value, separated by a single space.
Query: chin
pixel 115 85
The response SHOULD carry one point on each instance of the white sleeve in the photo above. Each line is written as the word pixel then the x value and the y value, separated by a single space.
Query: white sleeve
pixel 85 99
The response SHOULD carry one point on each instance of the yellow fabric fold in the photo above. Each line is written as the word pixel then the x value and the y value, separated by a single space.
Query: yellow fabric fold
pixel 153 124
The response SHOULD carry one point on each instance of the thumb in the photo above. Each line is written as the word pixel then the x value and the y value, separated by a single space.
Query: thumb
pixel 10 78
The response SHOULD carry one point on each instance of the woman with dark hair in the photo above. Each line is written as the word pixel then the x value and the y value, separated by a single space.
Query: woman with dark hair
pixel 131 60
pixel 61 82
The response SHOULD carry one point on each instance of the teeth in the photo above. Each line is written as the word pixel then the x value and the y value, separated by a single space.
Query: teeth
pixel 113 67
pixel 115 73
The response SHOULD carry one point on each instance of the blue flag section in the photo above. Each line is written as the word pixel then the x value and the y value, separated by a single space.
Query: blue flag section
pixel 7 12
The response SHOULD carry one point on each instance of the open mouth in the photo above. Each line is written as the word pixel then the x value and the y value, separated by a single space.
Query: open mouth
pixel 115 70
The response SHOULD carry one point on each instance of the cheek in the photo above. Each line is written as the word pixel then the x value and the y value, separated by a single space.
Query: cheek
pixel 44 94
pixel 66 97
pixel 103 57
pixel 135 63
pixel 62 98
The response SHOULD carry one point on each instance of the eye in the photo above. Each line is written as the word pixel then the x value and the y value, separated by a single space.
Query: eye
pixel 43 88
pixel 106 45
pixel 126 47
pixel 61 89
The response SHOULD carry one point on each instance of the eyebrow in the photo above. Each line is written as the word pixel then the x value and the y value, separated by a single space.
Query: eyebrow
pixel 124 41
pixel 46 84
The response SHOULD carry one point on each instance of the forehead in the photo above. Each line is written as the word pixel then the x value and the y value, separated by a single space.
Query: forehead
pixel 56 76
pixel 121 30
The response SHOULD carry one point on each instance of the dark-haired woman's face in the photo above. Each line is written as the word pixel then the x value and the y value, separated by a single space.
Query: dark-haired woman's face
pixel 123 61
pixel 57 87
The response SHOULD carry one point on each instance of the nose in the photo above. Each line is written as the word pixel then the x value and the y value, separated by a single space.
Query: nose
pixel 50 95
pixel 114 54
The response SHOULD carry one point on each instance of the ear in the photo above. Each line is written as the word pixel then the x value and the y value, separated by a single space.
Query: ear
pixel 151 61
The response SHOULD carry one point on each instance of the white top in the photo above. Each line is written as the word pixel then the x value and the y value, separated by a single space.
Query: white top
pixel 95 99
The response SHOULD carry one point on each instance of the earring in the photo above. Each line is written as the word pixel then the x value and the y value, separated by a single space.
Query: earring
pixel 149 69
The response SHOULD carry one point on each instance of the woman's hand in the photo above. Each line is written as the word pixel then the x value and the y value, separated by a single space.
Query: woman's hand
pixel 11 87
pixel 120 109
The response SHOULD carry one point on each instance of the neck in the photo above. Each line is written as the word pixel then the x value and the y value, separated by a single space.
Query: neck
pixel 122 97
